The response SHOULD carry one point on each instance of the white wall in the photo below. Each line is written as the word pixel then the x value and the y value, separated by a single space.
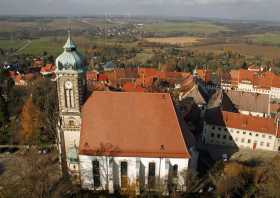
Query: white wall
pixel 256 114
pixel 275 92
pixel 238 137
pixel 137 169
pixel 245 86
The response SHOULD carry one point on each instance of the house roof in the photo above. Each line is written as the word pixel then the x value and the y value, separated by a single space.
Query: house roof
pixel 246 101
pixel 264 80
pixel 132 124
pixel 132 87
pixel 204 74
pixel 197 94
pixel 48 68
pixel 240 121
pixel 276 81
pixel 91 75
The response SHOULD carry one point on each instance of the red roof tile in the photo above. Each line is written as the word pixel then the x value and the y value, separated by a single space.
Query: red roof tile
pixel 260 80
pixel 132 87
pixel 245 122
pixel 91 76
pixel 134 124
pixel 102 77
pixel 48 68
pixel 204 74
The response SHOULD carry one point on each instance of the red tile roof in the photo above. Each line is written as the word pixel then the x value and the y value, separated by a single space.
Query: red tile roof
pixel 204 74
pixel 91 76
pixel 276 81
pixel 146 76
pixel 264 80
pixel 48 68
pixel 132 87
pixel 147 71
pixel 120 74
pixel 245 122
pixel 102 77
pixel 134 124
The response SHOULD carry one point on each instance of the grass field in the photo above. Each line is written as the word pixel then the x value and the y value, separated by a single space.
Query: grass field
pixel 184 27
pixel 268 52
pixel 184 40
pixel 267 38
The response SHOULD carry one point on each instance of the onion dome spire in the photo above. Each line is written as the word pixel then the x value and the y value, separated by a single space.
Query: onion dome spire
pixel 69 45
pixel 70 59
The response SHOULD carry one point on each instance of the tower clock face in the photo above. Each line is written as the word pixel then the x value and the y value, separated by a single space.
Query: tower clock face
pixel 68 85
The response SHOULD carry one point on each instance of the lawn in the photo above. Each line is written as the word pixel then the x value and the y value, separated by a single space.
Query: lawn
pixel 184 27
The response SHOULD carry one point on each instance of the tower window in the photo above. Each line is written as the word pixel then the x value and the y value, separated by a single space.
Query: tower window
pixel 71 123
pixel 69 95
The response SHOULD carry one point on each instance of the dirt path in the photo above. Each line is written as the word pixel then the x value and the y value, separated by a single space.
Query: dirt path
pixel 28 42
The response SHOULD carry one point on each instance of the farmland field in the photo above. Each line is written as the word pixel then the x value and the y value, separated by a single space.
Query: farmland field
pixel 266 38
pixel 53 45
pixel 268 52
pixel 175 40
pixel 184 27
pixel 12 26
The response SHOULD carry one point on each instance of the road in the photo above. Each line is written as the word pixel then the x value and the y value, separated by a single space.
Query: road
pixel 28 42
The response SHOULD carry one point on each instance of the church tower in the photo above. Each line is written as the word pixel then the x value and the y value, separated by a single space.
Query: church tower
pixel 70 73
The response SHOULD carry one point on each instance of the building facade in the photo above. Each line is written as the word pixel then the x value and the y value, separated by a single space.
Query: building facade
pixel 137 173
pixel 241 131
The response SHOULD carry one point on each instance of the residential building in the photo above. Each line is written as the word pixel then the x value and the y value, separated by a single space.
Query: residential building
pixel 252 81
pixel 241 131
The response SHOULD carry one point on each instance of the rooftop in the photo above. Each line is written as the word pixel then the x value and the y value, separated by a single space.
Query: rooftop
pixel 240 121
pixel 133 124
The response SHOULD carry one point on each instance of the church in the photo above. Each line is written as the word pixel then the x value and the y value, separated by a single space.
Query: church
pixel 115 141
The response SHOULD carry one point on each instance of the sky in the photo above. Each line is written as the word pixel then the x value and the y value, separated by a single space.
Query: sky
pixel 228 9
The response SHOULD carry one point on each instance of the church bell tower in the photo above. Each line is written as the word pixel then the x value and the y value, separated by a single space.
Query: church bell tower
pixel 70 73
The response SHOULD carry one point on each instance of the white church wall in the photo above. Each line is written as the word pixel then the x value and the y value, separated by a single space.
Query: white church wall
pixel 137 169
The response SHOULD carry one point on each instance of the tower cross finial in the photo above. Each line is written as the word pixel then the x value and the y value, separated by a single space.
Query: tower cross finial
pixel 69 27
pixel 69 33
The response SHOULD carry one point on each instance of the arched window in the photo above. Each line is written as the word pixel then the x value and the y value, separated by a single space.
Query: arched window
pixel 69 95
